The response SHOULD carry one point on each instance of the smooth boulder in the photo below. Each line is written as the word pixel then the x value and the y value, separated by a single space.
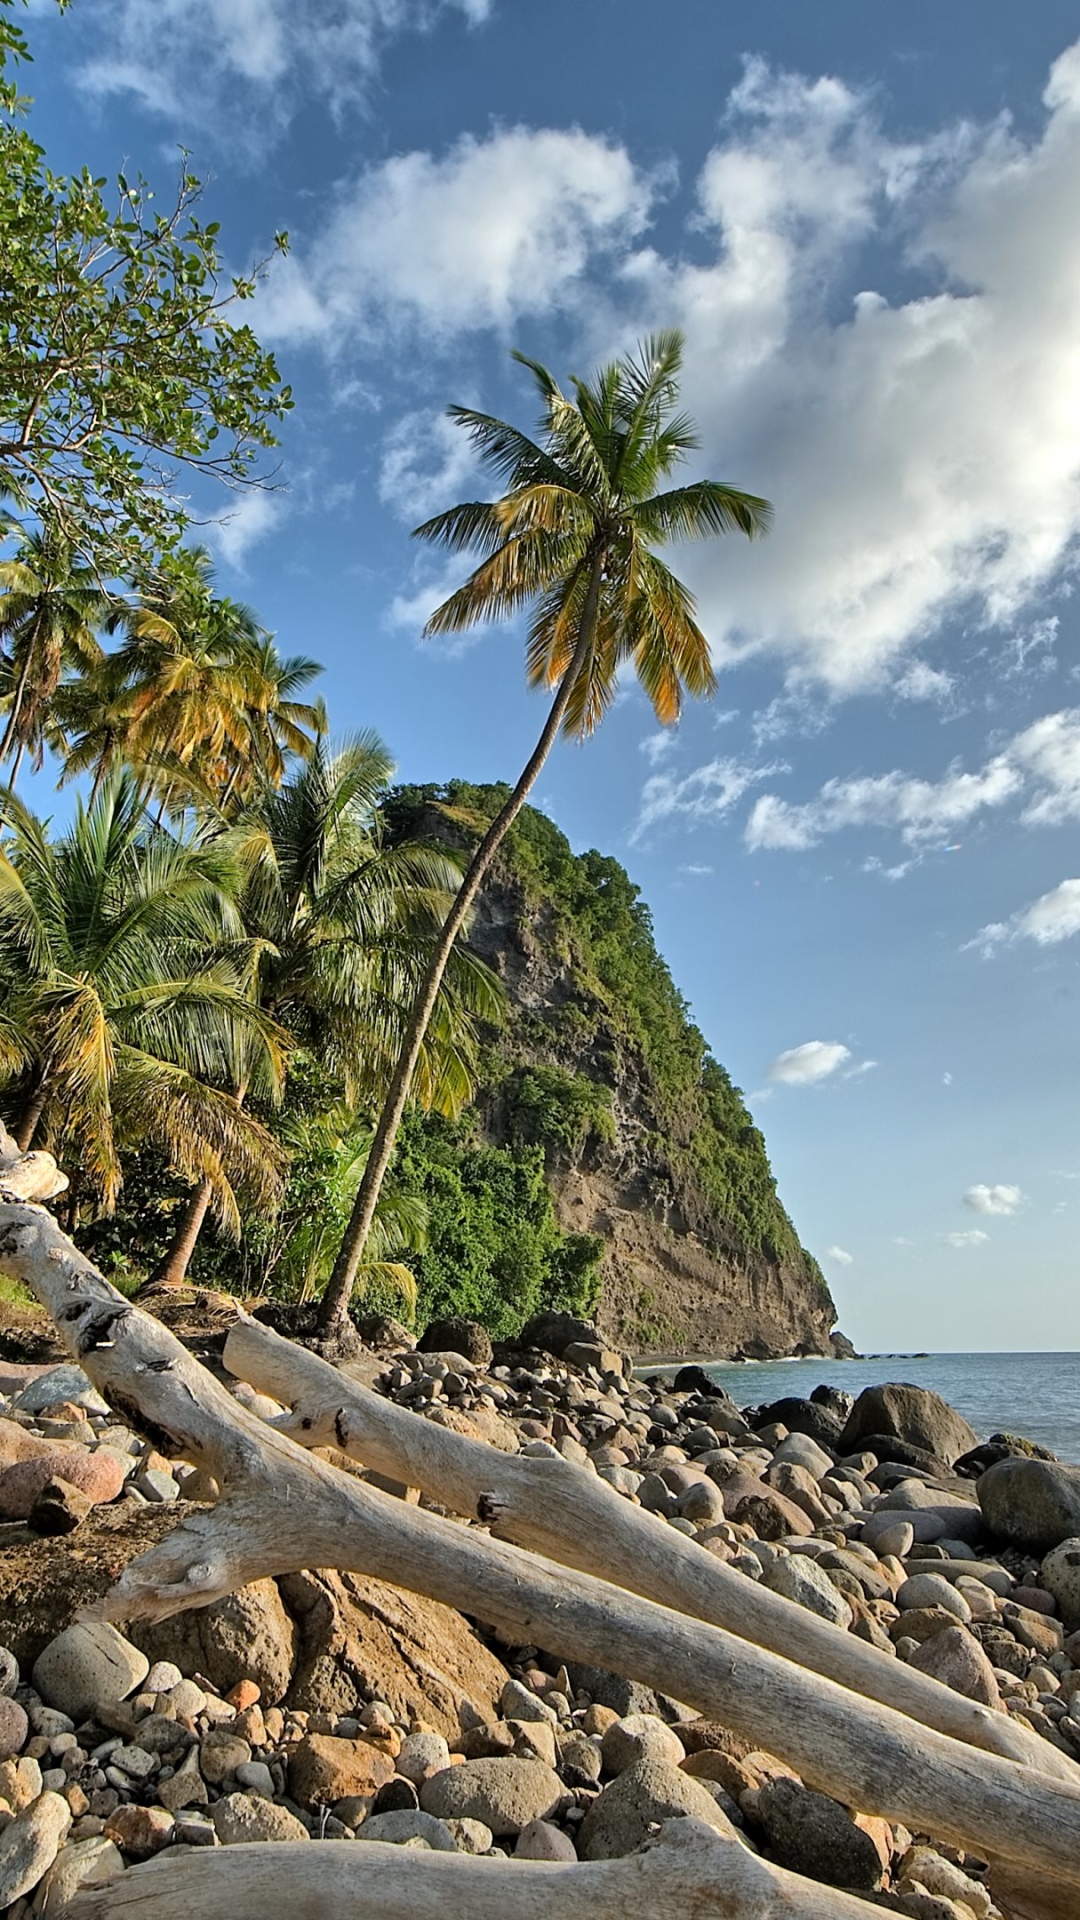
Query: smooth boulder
pixel 912 1414
pixel 1034 1504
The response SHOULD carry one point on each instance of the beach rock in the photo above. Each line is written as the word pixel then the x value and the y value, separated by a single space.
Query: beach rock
pixel 86 1666
pixel 30 1844
pixel 612 1691
pixel 694 1379
pixel 248 1635
pixel 552 1332
pixel 1060 1575
pixel 542 1841
pixel 457 1334
pixel 60 1383
pixel 86 1863
pixel 913 1414
pixel 798 1578
pixel 924 1867
pixel 1034 1504
pixel 323 1769
pixel 140 1830
pixel 504 1793
pixel 14 1727
pixel 772 1515
pixel 955 1657
pixel 186 1787
pixel 800 1450
pixel 398 1829
pixel 813 1835
pixel 802 1416
pixel 626 1812
pixel 932 1590
pixel 221 1753
pixel 639 1736
pixel 98 1476
pixel 421 1756
pixel 888 1533
pixel 240 1818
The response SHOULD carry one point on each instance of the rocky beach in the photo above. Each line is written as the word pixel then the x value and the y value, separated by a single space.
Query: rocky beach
pixel 323 1707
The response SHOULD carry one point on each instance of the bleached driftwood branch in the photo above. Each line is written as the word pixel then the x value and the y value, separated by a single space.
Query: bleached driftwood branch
pixel 282 1510
pixel 692 1870
pixel 570 1515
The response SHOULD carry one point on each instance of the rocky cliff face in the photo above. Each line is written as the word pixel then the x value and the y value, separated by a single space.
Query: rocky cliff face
pixel 677 1276
pixel 647 1143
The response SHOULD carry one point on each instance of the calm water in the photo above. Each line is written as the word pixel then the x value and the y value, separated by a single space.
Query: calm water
pixel 1035 1394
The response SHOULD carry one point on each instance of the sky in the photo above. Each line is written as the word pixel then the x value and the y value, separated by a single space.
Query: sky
pixel 861 857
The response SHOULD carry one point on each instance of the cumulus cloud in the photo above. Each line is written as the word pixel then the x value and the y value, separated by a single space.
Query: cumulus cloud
pixel 1039 769
pixel 190 58
pixel 921 682
pixel 1055 916
pixel 804 1066
pixel 708 793
pixel 971 1237
pixel 254 515
pixel 656 746
pixel 840 1256
pixel 477 237
pixel 998 1199
pixel 426 464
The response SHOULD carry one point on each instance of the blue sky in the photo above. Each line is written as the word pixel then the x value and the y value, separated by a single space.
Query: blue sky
pixel 862 857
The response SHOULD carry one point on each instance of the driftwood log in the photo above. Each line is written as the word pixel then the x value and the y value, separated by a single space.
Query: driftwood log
pixel 691 1871
pixel 283 1510
pixel 570 1515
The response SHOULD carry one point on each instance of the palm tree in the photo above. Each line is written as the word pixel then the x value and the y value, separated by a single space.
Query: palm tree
pixel 574 538
pixel 343 925
pixel 125 980
pixel 205 703
pixel 50 605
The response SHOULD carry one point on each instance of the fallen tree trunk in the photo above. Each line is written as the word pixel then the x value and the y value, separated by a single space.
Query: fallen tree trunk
pixel 282 1510
pixel 692 1870
pixel 570 1515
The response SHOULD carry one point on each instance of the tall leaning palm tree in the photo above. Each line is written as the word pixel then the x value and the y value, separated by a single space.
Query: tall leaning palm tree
pixel 574 538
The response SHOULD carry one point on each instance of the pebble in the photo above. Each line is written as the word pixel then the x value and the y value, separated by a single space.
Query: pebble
pixel 14 1727
pixel 88 1862
pixel 798 1578
pixel 932 1590
pixel 163 1677
pixel 540 1840
pixel 140 1830
pixel 639 1736
pixel 29 1844
pixel 422 1755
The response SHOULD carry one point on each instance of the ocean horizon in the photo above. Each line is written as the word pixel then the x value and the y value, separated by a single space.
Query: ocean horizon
pixel 1036 1395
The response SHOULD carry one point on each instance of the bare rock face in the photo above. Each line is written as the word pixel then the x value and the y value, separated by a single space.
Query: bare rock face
pixel 360 1636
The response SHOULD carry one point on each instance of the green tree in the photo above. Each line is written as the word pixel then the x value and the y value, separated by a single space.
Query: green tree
pixel 50 608
pixel 573 538
pixel 123 355
pixel 125 980
pixel 344 924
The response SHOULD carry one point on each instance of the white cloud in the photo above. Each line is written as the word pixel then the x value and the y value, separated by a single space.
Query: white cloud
pixel 1039 767
pixel 427 464
pixel 656 746
pixel 1053 917
pixel 249 520
pixel 921 682
pixel 804 1066
pixel 921 451
pixel 839 1256
pixel 919 809
pixel 708 793
pixel 864 1067
pixel 492 230
pixel 901 1240
pixel 946 1079
pixel 229 64
pixel 997 1199
pixel 698 871
pixel 972 1237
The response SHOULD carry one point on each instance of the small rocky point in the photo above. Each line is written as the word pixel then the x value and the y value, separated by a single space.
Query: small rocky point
pixel 327 1707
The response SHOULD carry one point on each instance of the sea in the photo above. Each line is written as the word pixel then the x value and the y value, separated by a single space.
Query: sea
pixel 1034 1394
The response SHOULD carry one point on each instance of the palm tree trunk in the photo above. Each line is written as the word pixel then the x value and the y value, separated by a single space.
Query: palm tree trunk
pixel 171 1271
pixel 32 1112
pixel 335 1301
